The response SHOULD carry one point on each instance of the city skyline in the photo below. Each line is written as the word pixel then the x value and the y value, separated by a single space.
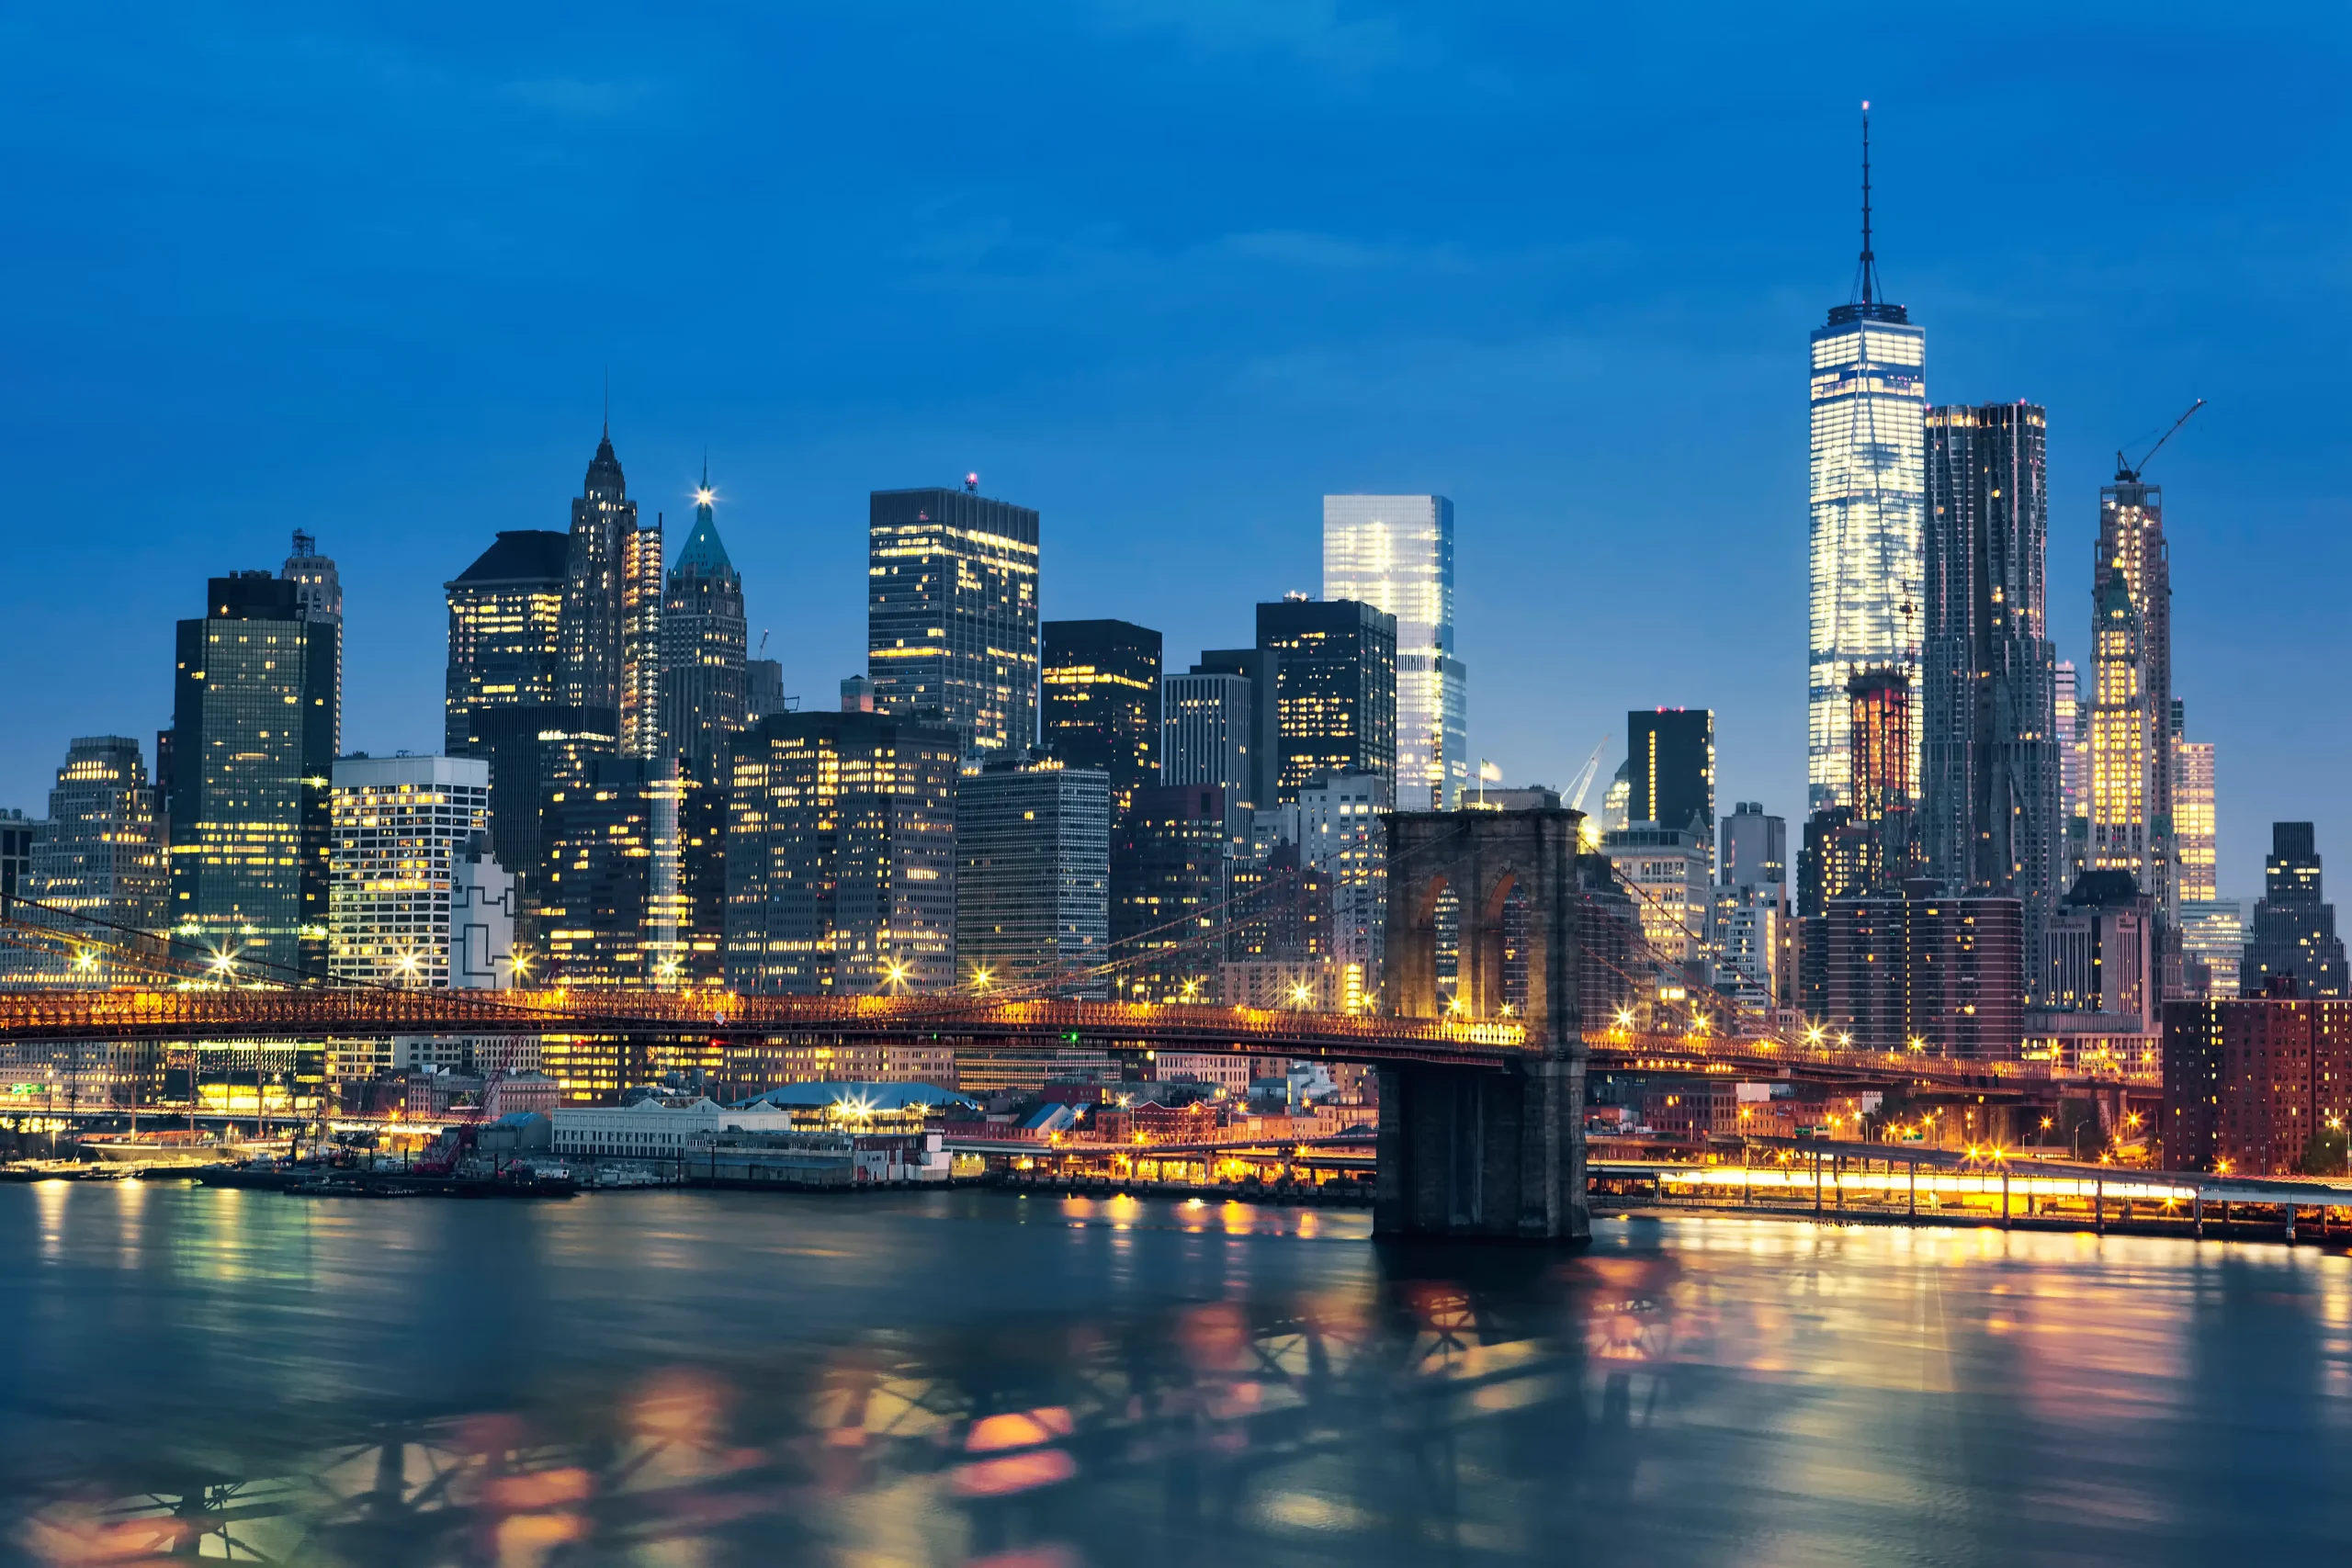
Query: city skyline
pixel 2231 482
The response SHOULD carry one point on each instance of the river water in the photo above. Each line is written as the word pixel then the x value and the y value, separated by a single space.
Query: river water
pixel 693 1379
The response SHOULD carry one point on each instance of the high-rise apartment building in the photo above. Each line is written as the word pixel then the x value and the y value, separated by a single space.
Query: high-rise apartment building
pixel 1101 700
pixel 1670 770
pixel 2194 820
pixel 703 687
pixel 401 827
pixel 951 626
pixel 611 629
pixel 252 739
pixel 1395 553
pixel 1032 872
pixel 2252 1086
pixel 2131 711
pixel 1668 872
pixel 1916 968
pixel 1991 772
pixel 1335 689
pixel 318 593
pixel 1868 380
pixel 2292 939
pixel 840 863
pixel 505 632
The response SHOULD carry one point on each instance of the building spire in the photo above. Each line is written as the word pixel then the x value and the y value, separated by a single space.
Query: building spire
pixel 1867 272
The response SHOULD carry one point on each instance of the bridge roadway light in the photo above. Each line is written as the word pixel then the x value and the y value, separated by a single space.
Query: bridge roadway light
pixel 981 976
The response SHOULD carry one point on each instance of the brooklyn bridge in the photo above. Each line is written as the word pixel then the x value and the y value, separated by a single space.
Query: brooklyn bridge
pixel 1482 1091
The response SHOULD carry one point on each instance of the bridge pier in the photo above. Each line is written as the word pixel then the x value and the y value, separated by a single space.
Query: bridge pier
pixel 1487 1153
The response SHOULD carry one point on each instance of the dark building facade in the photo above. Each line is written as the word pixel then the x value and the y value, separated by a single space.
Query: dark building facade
pixel 505 632
pixel 1262 669
pixel 1755 847
pixel 1919 968
pixel 1170 889
pixel 2292 935
pixel 841 856
pixel 2252 1085
pixel 703 685
pixel 1672 767
pixel 1101 703
pixel 951 613
pixel 534 753
pixel 253 738
pixel 1989 757
pixel 617 905
pixel 1335 689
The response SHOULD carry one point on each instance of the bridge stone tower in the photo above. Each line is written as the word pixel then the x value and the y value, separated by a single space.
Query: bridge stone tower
pixel 1478 1151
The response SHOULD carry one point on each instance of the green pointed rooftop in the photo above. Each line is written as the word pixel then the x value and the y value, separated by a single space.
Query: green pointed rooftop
pixel 703 554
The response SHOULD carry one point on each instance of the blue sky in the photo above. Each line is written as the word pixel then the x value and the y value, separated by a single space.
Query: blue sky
pixel 1167 270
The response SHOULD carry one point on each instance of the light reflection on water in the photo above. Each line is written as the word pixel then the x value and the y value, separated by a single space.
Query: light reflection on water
pixel 974 1377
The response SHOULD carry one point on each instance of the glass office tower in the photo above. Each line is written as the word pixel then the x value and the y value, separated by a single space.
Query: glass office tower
pixel 951 613
pixel 1868 394
pixel 1395 553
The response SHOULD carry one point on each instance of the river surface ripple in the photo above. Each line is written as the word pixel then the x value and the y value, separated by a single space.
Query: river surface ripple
pixel 1031 1381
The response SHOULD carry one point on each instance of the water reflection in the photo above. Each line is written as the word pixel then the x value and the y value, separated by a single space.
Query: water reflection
pixel 962 1377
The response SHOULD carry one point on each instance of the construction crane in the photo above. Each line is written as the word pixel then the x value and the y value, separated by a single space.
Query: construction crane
pixel 1582 783
pixel 2128 473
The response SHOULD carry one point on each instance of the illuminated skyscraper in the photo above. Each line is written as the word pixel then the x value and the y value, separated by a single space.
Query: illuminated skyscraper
pixel 2131 825
pixel 2122 736
pixel 1395 553
pixel 951 613
pixel 252 738
pixel 2072 754
pixel 1101 706
pixel 2194 819
pixel 611 629
pixel 1990 771
pixel 1335 689
pixel 840 863
pixel 1033 876
pixel 2292 939
pixel 702 646
pixel 1869 483
pixel 505 633
pixel 103 856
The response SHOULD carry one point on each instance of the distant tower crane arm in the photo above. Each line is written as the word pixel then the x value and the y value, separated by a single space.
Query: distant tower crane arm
pixel 2129 473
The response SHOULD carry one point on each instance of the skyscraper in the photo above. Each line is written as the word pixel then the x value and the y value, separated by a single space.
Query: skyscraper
pixel 2123 738
pixel 505 632
pixel 611 630
pixel 1671 769
pixel 1032 871
pixel 951 626
pixel 1207 728
pixel 2131 825
pixel 318 592
pixel 1755 847
pixel 401 827
pixel 1869 483
pixel 2066 708
pixel 1170 866
pixel 1101 700
pixel 614 905
pixel 1340 834
pixel 1991 779
pixel 1335 689
pixel 102 858
pixel 253 736
pixel 1395 553
pixel 702 685
pixel 2195 820
pixel 2293 937
pixel 1262 670
pixel 840 864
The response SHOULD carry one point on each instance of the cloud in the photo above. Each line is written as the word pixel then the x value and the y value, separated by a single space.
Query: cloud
pixel 578 99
